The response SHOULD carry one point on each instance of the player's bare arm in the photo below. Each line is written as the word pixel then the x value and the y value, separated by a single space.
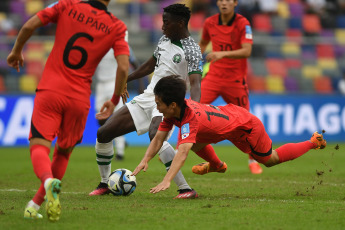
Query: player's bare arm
pixel 244 52
pixel 203 45
pixel 176 165
pixel 145 69
pixel 151 151
pixel 195 86
pixel 15 59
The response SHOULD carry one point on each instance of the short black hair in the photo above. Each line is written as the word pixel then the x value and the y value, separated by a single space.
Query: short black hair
pixel 180 11
pixel 171 89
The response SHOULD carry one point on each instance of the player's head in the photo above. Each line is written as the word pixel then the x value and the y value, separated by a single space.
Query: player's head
pixel 227 6
pixel 175 20
pixel 171 91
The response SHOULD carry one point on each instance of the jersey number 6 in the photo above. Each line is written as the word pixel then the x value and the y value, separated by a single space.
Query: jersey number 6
pixel 69 47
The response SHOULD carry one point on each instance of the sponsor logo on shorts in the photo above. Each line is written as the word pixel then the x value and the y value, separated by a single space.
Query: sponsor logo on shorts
pixel 185 131
pixel 177 58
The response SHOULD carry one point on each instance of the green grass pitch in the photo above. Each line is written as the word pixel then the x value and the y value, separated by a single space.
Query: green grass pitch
pixel 307 193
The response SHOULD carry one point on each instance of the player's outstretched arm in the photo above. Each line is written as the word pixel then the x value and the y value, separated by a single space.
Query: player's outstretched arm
pixel 15 59
pixel 151 151
pixel 195 86
pixel 145 69
pixel 176 165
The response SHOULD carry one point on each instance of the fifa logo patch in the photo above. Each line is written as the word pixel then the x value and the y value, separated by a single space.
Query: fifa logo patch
pixel 177 58
pixel 249 34
pixel 133 102
pixel 185 131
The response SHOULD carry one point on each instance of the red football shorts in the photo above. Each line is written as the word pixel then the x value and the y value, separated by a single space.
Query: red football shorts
pixel 257 143
pixel 232 92
pixel 56 115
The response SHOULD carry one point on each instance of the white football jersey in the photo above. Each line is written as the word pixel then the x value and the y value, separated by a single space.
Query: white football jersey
pixel 182 58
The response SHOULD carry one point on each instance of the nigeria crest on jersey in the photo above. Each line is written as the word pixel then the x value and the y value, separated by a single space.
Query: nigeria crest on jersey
pixel 177 58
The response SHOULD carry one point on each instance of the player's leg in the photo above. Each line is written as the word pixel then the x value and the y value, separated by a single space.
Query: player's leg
pixel 167 154
pixel 46 119
pixel 209 89
pixel 292 151
pixel 239 96
pixel 213 164
pixel 119 124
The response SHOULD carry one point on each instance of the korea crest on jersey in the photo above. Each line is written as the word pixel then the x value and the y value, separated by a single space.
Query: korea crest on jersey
pixel 185 131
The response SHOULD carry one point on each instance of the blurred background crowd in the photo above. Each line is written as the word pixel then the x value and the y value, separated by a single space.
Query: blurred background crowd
pixel 299 45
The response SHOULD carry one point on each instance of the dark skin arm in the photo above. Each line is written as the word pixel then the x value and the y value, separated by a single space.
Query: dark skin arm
pixel 195 86
pixel 145 69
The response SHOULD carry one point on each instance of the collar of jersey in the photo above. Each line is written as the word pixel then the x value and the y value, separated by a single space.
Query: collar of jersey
pixel 177 42
pixel 98 5
pixel 229 23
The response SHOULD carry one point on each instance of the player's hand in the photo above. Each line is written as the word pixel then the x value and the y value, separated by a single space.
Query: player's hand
pixel 125 95
pixel 142 166
pixel 164 185
pixel 106 110
pixel 15 60
pixel 214 56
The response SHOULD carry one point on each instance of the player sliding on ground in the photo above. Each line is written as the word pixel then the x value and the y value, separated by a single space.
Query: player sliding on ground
pixel 203 124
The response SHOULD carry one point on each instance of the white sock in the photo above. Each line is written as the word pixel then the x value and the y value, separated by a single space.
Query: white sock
pixel 120 143
pixel 33 204
pixel 46 182
pixel 104 155
pixel 167 154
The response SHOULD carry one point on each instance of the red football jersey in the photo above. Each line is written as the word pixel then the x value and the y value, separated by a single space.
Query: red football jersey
pixel 85 32
pixel 205 123
pixel 225 38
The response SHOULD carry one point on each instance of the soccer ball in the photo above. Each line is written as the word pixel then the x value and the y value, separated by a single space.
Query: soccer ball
pixel 121 183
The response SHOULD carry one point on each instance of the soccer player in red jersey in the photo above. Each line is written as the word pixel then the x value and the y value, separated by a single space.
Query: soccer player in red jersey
pixel 231 37
pixel 85 32
pixel 203 124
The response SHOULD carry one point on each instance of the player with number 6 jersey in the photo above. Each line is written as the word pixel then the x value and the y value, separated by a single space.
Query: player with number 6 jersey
pixel 85 32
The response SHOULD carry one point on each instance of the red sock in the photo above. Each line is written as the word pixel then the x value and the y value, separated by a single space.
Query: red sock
pixel 41 162
pixel 39 196
pixel 291 151
pixel 209 155
pixel 59 164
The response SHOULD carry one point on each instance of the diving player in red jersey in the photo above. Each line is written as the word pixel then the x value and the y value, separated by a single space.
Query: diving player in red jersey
pixel 203 124
pixel 84 34
pixel 231 37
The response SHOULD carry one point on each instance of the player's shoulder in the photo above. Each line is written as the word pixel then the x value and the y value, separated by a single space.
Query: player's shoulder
pixel 212 20
pixel 163 39
pixel 240 19
pixel 190 46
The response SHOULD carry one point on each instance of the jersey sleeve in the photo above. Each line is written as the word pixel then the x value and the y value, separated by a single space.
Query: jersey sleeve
pixel 51 13
pixel 193 57
pixel 166 125
pixel 205 33
pixel 120 45
pixel 188 131
pixel 246 32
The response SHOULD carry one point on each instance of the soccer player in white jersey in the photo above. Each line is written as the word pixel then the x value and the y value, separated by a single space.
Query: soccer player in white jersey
pixel 176 54
pixel 105 72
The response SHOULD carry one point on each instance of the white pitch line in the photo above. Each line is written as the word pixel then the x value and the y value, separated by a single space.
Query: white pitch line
pixel 20 190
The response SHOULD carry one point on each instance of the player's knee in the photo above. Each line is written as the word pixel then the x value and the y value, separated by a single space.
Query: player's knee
pixel 102 136
pixel 274 160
